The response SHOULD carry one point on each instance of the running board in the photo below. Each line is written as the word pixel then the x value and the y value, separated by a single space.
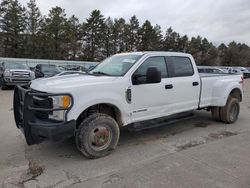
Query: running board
pixel 159 122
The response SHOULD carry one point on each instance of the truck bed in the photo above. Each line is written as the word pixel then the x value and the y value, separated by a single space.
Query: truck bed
pixel 214 88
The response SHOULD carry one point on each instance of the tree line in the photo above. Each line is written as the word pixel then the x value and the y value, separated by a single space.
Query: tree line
pixel 25 32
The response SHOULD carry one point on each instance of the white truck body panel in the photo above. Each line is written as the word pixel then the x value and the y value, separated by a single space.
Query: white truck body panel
pixel 215 89
pixel 148 101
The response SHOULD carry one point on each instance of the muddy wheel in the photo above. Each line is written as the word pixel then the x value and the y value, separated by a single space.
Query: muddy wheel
pixel 215 111
pixel 230 112
pixel 97 136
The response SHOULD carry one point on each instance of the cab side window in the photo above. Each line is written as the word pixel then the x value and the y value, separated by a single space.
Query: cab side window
pixel 180 66
pixel 158 62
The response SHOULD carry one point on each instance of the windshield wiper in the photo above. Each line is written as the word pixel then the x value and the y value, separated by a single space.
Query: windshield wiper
pixel 100 73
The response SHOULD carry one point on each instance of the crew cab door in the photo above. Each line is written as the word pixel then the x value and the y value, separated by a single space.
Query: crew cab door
pixel 185 80
pixel 149 100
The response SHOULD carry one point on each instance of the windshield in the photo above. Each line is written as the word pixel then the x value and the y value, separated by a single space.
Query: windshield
pixel 16 66
pixel 117 65
pixel 50 68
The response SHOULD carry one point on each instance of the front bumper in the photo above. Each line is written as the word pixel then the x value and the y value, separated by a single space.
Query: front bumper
pixel 32 118
pixel 16 81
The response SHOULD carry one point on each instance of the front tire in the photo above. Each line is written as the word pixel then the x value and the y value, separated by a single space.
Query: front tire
pixel 97 136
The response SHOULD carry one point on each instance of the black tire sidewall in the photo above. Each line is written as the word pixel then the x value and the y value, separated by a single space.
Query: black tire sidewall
pixel 232 103
pixel 91 123
pixel 216 113
pixel 225 111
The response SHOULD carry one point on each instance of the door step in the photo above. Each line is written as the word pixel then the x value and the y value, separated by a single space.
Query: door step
pixel 159 122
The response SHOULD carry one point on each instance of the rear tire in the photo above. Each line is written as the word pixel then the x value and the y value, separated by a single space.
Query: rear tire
pixel 229 113
pixel 97 136
pixel 215 111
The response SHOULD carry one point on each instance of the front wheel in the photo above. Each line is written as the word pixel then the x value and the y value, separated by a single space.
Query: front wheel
pixel 230 112
pixel 97 136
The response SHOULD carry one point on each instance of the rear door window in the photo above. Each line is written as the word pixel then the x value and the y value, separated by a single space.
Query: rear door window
pixel 179 66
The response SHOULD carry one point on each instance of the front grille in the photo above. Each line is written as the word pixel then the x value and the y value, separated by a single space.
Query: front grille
pixel 20 74
pixel 42 102
pixel 20 80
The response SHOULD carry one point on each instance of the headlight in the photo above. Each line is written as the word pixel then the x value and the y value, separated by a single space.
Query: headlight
pixel 64 102
pixel 58 115
pixel 6 73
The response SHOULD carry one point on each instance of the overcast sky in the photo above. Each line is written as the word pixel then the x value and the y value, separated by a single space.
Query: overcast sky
pixel 218 20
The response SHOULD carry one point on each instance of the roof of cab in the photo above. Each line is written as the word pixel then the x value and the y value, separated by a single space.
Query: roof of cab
pixel 165 53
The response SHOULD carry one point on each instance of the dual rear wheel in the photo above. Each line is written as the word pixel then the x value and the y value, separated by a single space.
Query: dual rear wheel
pixel 229 113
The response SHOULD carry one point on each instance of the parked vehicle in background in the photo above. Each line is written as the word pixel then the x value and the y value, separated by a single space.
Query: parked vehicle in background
pixel 225 69
pixel 12 74
pixel 240 70
pixel 72 67
pixel 46 70
pixel 212 70
pixel 123 90
pixel 70 73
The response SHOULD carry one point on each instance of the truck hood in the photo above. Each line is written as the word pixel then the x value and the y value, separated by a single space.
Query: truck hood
pixel 67 83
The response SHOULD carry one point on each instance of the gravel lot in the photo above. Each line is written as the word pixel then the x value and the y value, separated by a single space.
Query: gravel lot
pixel 195 152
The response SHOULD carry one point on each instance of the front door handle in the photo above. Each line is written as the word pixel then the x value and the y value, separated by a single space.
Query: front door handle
pixel 195 83
pixel 170 86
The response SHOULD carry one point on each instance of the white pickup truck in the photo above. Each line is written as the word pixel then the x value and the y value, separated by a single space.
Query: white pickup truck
pixel 122 90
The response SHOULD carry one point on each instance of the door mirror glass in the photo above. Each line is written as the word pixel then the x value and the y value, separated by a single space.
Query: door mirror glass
pixel 153 75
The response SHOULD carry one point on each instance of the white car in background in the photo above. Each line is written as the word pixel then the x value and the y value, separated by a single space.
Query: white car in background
pixel 240 70
pixel 211 70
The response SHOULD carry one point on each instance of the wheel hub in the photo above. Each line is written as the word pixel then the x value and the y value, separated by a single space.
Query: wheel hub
pixel 100 138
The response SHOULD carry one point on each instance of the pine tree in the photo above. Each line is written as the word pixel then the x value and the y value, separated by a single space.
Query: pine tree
pixel 73 37
pixel 133 37
pixel 120 35
pixel 94 35
pixel 146 34
pixel 12 25
pixel 168 45
pixel 34 22
pixel 54 33
pixel 109 24
pixel 183 43
pixel 157 40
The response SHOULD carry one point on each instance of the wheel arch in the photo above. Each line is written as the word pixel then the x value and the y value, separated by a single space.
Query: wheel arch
pixel 236 93
pixel 105 108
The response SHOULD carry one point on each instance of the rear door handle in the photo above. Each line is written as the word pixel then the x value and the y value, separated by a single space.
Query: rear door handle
pixel 195 83
pixel 170 86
